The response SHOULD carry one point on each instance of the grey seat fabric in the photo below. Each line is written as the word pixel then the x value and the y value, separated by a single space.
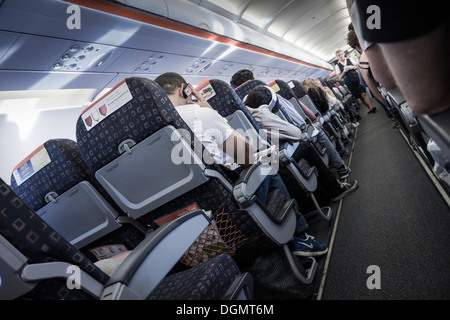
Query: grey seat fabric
pixel 38 263
pixel 132 147
pixel 55 181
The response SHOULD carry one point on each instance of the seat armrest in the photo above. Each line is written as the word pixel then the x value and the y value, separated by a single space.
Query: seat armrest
pixel 12 261
pixel 286 150
pixel 241 288
pixel 249 181
pixel 437 128
pixel 154 257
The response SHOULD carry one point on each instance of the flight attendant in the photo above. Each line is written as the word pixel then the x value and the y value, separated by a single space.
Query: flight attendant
pixel 346 69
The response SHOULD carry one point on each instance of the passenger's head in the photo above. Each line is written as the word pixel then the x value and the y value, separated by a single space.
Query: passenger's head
pixel 352 41
pixel 173 84
pixel 262 95
pixel 311 84
pixel 170 81
pixel 241 77
pixel 351 27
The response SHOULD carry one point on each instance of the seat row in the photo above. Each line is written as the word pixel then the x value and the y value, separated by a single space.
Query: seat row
pixel 427 134
pixel 117 189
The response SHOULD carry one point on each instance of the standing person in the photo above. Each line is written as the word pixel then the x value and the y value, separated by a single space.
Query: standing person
pixel 365 71
pixel 214 133
pixel 414 43
pixel 346 69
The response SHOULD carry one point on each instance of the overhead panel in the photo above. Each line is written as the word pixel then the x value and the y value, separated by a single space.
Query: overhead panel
pixel 294 21
pixel 261 13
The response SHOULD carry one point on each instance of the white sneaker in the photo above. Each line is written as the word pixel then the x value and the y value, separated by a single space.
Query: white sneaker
pixel 347 188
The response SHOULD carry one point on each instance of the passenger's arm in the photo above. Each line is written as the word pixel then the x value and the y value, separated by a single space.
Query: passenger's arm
pixel 239 148
pixel 200 100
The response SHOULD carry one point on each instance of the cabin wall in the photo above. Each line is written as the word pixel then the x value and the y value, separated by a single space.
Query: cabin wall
pixel 38 52
pixel 22 133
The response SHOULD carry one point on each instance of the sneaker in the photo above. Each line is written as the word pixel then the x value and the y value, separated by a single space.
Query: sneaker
pixel 342 152
pixel 307 247
pixel 355 124
pixel 347 188
pixel 344 172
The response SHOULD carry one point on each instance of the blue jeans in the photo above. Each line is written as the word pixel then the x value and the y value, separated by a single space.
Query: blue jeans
pixel 273 182
pixel 335 158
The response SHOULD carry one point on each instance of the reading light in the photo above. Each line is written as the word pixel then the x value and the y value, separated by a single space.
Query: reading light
pixel 147 64
pixel 83 56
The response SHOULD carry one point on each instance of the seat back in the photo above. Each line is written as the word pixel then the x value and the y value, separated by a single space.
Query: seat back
pixel 56 183
pixel 138 140
pixel 246 87
pixel 436 127
pixel 414 128
pixel 39 243
pixel 228 104
pixel 286 92
pixel 166 188
pixel 38 263
pixel 298 89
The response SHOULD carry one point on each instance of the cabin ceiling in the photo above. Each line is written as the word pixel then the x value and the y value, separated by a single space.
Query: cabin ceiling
pixel 318 27
pixel 44 54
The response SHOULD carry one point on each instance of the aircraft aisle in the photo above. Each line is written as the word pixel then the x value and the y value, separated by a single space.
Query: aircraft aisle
pixel 396 220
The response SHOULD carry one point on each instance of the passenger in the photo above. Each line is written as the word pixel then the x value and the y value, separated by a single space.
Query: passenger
pixel 334 154
pixel 241 77
pixel 257 102
pixel 333 102
pixel 346 69
pixel 201 112
pixel 367 76
pixel 414 44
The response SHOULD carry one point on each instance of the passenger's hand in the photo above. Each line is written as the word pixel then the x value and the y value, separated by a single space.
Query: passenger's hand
pixel 199 100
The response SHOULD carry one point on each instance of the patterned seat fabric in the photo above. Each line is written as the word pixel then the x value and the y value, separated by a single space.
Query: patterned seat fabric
pixel 228 102
pixel 208 281
pixel 28 233
pixel 298 89
pixel 246 87
pixel 285 91
pixel 148 110
pixel 65 168
pixel 40 243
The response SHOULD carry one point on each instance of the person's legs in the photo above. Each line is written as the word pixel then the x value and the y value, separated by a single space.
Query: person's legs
pixel 302 244
pixel 335 158
pixel 366 100
pixel 325 176
pixel 421 65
